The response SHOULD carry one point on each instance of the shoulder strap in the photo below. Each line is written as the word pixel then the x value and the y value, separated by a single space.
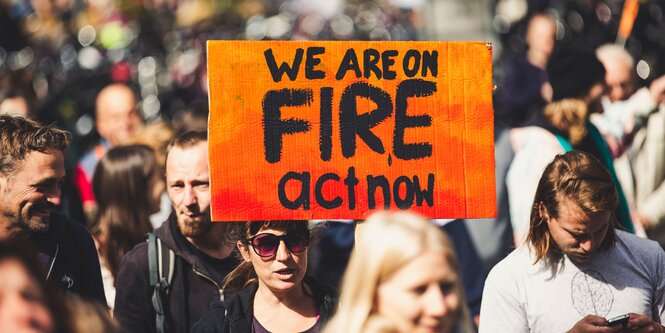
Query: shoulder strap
pixel 160 263
pixel 564 143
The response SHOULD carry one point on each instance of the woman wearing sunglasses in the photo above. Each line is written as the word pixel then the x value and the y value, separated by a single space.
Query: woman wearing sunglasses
pixel 273 293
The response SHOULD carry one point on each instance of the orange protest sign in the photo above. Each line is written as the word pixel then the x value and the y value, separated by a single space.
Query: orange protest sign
pixel 323 130
pixel 628 15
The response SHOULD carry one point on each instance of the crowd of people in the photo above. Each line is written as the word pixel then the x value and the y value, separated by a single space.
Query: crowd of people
pixel 105 219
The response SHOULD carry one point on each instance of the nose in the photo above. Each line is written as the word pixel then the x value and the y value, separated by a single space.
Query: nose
pixel 54 196
pixel 435 303
pixel 282 252
pixel 586 245
pixel 189 196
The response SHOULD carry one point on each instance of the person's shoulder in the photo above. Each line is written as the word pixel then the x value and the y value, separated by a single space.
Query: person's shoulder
pixel 639 245
pixel 534 137
pixel 67 229
pixel 138 255
pixel 517 262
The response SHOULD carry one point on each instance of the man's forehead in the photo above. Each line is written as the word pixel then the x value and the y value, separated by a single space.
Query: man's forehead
pixel 42 165
pixel 193 159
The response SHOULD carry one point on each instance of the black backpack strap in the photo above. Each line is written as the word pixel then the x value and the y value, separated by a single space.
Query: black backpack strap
pixel 161 261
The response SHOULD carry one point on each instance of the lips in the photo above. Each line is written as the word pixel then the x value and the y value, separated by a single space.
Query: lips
pixel 286 272
pixel 40 211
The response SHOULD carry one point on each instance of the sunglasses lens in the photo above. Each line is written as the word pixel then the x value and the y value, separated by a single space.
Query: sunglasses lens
pixel 296 242
pixel 265 244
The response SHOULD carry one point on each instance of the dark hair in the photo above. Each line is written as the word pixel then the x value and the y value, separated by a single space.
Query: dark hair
pixel 577 176
pixel 193 118
pixel 20 136
pixel 25 254
pixel 244 274
pixel 572 71
pixel 123 187
pixel 187 140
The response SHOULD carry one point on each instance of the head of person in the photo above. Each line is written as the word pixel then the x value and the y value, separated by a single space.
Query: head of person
pixel 274 255
pixel 403 276
pixel 540 35
pixel 156 135
pixel 127 184
pixel 89 316
pixel 188 182
pixel 619 66
pixel 577 78
pixel 32 170
pixel 15 103
pixel 193 118
pixel 27 304
pixel 572 212
pixel 117 116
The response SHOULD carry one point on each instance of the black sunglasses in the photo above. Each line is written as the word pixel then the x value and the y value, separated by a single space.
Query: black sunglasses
pixel 266 244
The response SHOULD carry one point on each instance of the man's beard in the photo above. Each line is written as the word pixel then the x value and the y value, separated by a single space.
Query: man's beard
pixel 194 227
pixel 32 222
pixel 24 220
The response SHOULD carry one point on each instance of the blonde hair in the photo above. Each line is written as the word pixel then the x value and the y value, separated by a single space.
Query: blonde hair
pixel 386 243
pixel 90 317
pixel 569 116
pixel 577 176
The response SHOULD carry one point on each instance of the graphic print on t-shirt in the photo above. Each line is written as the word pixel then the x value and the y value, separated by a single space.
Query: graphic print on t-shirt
pixel 590 293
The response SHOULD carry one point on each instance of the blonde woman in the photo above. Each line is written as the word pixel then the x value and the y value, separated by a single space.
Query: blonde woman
pixel 402 277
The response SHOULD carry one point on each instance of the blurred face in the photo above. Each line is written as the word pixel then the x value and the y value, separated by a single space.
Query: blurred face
pixel 29 194
pixel 577 235
pixel 281 272
pixel 117 116
pixel 188 187
pixel 541 34
pixel 619 79
pixel 422 296
pixel 593 98
pixel 16 106
pixel 22 307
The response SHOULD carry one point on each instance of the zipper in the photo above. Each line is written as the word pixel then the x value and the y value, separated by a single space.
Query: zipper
pixel 55 256
pixel 205 277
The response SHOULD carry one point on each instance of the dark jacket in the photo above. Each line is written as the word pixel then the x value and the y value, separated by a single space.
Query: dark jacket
pixel 191 290
pixel 235 314
pixel 70 257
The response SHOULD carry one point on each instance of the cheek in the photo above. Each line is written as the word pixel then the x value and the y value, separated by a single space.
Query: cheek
pixel 452 302
pixel 398 305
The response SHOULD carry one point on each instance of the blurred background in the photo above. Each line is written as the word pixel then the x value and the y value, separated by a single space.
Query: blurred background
pixel 59 53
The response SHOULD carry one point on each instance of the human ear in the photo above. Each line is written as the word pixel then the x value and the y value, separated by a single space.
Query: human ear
pixel 244 250
pixel 542 211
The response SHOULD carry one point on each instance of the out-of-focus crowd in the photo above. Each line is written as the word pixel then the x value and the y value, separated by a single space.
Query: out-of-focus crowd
pixel 580 168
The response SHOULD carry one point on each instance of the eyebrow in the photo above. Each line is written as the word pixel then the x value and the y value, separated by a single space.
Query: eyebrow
pixel 48 181
pixel 574 232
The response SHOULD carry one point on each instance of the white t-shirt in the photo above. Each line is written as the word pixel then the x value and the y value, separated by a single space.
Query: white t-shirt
pixel 522 297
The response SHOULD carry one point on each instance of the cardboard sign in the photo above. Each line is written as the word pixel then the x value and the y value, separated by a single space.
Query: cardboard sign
pixel 323 130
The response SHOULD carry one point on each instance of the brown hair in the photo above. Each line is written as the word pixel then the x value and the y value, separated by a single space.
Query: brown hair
pixel 244 274
pixel 20 136
pixel 568 116
pixel 123 185
pixel 186 140
pixel 577 176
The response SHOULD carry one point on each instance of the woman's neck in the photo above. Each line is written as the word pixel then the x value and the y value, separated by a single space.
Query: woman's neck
pixel 288 298
pixel 284 311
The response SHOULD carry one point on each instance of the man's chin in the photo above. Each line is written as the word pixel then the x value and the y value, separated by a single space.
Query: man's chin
pixel 38 224
pixel 193 227
pixel 579 258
